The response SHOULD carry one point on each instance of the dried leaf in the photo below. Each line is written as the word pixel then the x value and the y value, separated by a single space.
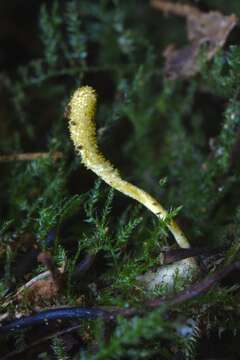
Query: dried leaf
pixel 40 293
pixel 46 289
pixel 212 29
pixel 204 30
pixel 31 156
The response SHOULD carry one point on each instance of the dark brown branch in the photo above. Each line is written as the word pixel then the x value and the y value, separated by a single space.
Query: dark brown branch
pixel 174 255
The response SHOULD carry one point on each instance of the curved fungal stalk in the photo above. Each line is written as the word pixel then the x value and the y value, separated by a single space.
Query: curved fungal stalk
pixel 82 127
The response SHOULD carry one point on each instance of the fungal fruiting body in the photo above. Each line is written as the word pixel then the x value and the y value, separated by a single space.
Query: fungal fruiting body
pixel 82 127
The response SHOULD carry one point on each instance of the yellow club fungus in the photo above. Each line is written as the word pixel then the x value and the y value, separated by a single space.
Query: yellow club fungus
pixel 82 127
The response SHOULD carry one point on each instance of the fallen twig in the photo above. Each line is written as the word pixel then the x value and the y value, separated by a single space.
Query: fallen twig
pixel 175 9
pixel 31 156
pixel 171 256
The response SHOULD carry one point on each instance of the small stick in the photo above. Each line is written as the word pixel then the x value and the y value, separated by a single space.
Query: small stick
pixel 176 9
pixel 31 156
pixel 171 256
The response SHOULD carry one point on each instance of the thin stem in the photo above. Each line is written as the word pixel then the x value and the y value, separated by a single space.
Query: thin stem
pixel 31 156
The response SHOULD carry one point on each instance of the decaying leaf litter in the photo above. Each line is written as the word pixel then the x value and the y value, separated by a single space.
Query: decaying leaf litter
pixel 206 32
